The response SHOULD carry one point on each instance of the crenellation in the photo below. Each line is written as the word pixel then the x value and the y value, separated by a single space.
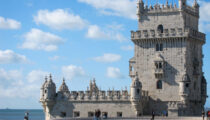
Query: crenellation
pixel 100 95
pixel 167 33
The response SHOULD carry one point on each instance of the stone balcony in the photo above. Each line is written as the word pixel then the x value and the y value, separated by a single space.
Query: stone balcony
pixel 159 73
pixel 167 33
pixel 132 73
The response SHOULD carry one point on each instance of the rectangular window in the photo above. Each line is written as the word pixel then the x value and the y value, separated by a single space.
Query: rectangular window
pixel 119 114
pixel 157 47
pixel 160 65
pixel 104 115
pixel 76 114
pixel 63 114
pixel 161 47
pixel 156 65
pixel 90 114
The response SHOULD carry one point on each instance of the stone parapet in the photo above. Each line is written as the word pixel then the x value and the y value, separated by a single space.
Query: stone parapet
pixel 157 8
pixel 160 8
pixel 167 33
pixel 109 95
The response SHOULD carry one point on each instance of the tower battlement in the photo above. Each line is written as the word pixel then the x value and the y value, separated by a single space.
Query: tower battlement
pixel 167 33
pixel 143 9
pixel 109 95
pixel 92 94
pixel 170 16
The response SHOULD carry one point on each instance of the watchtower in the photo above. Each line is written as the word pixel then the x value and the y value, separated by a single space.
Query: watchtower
pixel 169 58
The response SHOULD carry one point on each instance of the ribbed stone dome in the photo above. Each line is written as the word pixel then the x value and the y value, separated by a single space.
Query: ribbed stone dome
pixel 49 83
pixel 136 81
pixel 63 87
pixel 44 83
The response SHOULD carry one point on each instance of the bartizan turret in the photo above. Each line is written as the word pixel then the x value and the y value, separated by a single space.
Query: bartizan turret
pixel 63 93
pixel 140 9
pixel 184 88
pixel 136 90
pixel 48 96
pixel 203 90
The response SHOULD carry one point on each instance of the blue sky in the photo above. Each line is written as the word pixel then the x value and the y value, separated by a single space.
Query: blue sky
pixel 76 39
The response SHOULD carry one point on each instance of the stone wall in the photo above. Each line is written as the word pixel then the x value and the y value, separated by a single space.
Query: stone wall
pixel 111 108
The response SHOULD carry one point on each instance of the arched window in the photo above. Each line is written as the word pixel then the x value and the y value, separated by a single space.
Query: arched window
pixel 160 65
pixel 138 91
pixel 159 84
pixel 160 28
pixel 159 47
pixel 194 85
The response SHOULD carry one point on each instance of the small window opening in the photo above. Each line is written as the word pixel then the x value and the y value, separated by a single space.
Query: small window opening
pixel 156 65
pixel 139 114
pixel 119 114
pixel 160 65
pixel 186 85
pixel 90 114
pixel 131 68
pixel 194 85
pixel 138 91
pixel 104 115
pixel 45 91
pixel 159 47
pixel 159 84
pixel 160 28
pixel 63 114
pixel 76 114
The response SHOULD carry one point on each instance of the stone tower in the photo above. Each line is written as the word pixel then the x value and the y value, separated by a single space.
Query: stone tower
pixel 48 94
pixel 168 58
pixel 136 92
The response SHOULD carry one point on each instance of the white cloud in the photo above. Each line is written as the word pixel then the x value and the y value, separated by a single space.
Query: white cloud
pixel 39 40
pixel 8 77
pixel 8 56
pixel 54 58
pixel 14 85
pixel 204 24
pixel 116 26
pixel 95 32
pixel 124 8
pixel 59 19
pixel 72 71
pixel 127 48
pixel 36 76
pixel 108 57
pixel 9 23
pixel 113 72
pixel 204 11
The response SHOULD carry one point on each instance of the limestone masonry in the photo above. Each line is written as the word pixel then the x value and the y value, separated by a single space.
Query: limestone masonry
pixel 166 71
